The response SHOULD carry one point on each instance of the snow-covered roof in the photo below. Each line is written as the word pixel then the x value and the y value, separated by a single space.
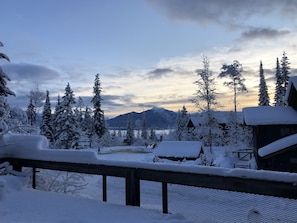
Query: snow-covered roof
pixel 292 82
pixel 268 115
pixel 278 145
pixel 177 149
pixel 220 116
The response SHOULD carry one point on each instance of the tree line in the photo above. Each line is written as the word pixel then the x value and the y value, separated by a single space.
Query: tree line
pixel 73 122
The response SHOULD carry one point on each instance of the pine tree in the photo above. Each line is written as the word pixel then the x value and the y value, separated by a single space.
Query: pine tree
pixel 263 91
pixel 278 97
pixel 182 121
pixel 99 121
pixel 87 125
pixel 31 113
pixel 130 132
pixel 4 90
pixel 67 135
pixel 46 127
pixel 144 133
pixel 285 72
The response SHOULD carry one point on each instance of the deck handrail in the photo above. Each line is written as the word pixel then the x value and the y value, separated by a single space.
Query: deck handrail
pixel 133 175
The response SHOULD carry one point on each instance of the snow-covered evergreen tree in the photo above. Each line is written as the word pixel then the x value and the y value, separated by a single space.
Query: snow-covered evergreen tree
pixel 99 121
pixel 46 127
pixel 181 125
pixel 234 72
pixel 130 132
pixel 31 113
pixel 206 96
pixel 285 70
pixel 263 91
pixel 67 134
pixel 87 125
pixel 278 96
pixel 4 90
pixel 144 133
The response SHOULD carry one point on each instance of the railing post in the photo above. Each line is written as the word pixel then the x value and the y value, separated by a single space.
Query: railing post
pixel 165 197
pixel 34 178
pixel 104 188
pixel 17 167
pixel 132 188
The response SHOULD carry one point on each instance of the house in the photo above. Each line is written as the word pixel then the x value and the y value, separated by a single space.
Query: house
pixel 198 124
pixel 280 155
pixel 179 150
pixel 271 128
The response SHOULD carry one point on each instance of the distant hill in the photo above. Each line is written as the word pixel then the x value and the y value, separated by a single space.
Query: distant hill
pixel 156 118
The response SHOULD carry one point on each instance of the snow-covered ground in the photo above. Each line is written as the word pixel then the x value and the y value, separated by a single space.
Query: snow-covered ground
pixel 186 204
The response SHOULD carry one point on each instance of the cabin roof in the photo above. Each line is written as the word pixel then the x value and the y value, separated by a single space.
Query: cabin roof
pixel 179 149
pixel 268 115
pixel 222 117
pixel 278 146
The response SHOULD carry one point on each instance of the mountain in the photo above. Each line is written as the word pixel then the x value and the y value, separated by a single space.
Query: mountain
pixel 156 118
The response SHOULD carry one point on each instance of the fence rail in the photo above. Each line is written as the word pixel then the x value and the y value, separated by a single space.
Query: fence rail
pixel 133 176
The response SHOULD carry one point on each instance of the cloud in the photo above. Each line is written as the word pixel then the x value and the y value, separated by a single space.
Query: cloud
pixel 30 72
pixel 159 72
pixel 255 33
pixel 223 12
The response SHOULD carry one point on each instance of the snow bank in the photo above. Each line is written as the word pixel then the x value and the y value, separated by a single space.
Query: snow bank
pixel 183 149
pixel 267 115
pixel 278 145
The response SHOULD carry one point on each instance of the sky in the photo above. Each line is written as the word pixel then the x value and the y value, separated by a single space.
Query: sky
pixel 146 51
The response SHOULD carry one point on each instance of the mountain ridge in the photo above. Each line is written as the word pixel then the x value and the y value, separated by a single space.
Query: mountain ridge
pixel 156 118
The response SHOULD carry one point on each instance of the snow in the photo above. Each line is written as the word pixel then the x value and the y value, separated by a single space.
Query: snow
pixel 23 146
pixel 178 149
pixel 292 82
pixel 201 203
pixel 48 207
pixel 267 115
pixel 278 145
pixel 186 204
pixel 221 117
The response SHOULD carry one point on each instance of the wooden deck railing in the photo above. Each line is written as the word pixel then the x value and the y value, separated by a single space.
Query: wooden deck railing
pixel 133 176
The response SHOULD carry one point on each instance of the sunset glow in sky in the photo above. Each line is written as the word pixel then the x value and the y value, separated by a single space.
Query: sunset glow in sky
pixel 146 51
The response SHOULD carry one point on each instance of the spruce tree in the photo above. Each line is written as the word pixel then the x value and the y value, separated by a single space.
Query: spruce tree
pixel 144 133
pixel 182 121
pixel 278 96
pixel 99 121
pixel 4 92
pixel 67 135
pixel 129 140
pixel 46 127
pixel 263 91
pixel 31 113
pixel 285 72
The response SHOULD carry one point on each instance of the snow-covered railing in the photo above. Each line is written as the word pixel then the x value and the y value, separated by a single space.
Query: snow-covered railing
pixel 27 151
pixel 251 181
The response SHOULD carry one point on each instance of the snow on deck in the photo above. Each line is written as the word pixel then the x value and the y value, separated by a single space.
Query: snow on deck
pixel 278 145
pixel 268 115
pixel 31 147
pixel 178 149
